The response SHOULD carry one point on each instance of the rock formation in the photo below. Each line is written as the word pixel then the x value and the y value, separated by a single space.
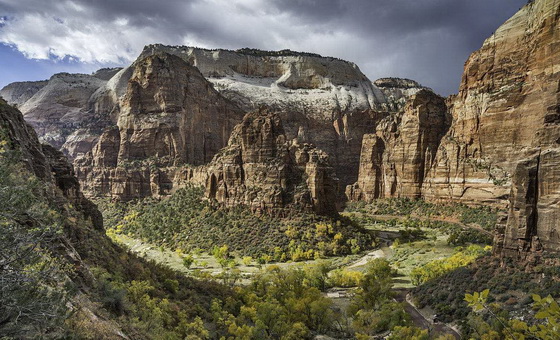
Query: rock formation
pixel 58 109
pixel 19 92
pixel 397 158
pixel 321 100
pixel 45 162
pixel 507 114
pixel 170 116
pixel 496 142
pixel 503 142
pixel 264 170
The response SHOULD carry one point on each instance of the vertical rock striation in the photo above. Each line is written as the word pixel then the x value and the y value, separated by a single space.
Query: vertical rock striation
pixel 170 116
pixel 500 144
pixel 262 169
pixel 396 159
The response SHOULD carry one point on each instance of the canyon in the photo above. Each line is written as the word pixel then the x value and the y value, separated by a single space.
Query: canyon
pixel 278 130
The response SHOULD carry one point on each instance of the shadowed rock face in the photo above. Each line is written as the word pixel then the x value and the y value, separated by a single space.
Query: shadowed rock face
pixel 45 162
pixel 19 92
pixel 321 100
pixel 263 170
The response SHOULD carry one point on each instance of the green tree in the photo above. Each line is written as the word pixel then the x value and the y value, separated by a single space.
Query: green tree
pixel 375 287
pixel 548 312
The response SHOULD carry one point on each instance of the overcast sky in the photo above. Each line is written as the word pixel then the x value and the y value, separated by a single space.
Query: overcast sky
pixel 425 40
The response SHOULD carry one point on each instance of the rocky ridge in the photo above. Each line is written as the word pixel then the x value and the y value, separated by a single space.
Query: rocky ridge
pixel 170 116
pixel 19 92
pixel 396 159
pixel 173 128
pixel 501 146
pixel 58 109
pixel 496 142
pixel 325 101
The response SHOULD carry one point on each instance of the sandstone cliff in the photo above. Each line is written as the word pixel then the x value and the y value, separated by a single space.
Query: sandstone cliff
pixel 169 116
pixel 506 125
pixel 264 170
pixel 397 158
pixel 58 109
pixel 325 101
pixel 321 100
pixel 502 145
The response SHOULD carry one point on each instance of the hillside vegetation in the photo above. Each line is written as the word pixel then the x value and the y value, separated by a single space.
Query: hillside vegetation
pixel 187 222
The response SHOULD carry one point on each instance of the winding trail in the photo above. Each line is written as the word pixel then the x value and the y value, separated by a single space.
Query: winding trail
pixel 174 261
pixel 419 320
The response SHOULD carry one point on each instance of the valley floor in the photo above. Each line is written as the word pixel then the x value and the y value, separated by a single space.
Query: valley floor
pixel 404 249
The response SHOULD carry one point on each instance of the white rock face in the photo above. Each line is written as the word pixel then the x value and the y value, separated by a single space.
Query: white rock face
pixel 301 82
pixel 396 91
pixel 20 92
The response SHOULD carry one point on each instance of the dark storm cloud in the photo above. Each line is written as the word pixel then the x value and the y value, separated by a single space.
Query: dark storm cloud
pixel 426 40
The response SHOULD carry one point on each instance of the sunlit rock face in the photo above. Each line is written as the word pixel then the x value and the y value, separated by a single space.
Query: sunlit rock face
pixel 507 112
pixel 169 116
pixel 321 100
pixel 262 169
pixel 397 158
pixel 58 109
pixel 499 143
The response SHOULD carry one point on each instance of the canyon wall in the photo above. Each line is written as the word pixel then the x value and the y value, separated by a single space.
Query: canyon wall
pixel 169 117
pixel 498 146
pixel 148 128
pixel 262 169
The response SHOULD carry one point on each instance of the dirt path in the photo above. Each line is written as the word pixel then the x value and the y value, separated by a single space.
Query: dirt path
pixel 376 254
pixel 174 261
pixel 435 328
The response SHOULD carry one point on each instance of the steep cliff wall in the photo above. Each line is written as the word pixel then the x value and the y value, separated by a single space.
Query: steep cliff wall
pixel 264 170
pixel 503 142
pixel 45 162
pixel 325 101
pixel 169 116
pixel 396 159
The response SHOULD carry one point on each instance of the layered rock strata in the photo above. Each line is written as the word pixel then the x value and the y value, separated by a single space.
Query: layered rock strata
pixel 264 170
pixel 58 109
pixel 321 100
pixel 325 101
pixel 396 159
pixel 503 143
pixel 507 112
pixel 170 116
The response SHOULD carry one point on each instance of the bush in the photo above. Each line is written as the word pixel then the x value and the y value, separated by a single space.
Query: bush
pixel 186 221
